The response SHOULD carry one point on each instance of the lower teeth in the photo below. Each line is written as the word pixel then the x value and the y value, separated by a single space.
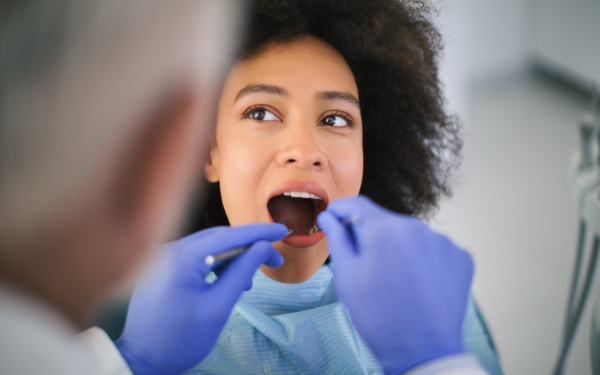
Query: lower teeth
pixel 314 229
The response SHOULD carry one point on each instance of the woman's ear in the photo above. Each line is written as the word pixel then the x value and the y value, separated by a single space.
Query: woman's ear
pixel 212 165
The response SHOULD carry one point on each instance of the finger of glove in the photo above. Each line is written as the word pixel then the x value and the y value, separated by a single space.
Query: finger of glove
pixel 375 223
pixel 464 266
pixel 343 208
pixel 232 237
pixel 175 246
pixel 230 285
pixel 193 253
pixel 359 233
pixel 274 261
pixel 339 240
pixel 203 233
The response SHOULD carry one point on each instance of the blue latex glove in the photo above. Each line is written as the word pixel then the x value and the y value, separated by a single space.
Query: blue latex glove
pixel 175 317
pixel 405 286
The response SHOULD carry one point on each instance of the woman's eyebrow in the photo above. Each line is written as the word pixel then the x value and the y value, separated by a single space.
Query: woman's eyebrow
pixel 254 88
pixel 339 95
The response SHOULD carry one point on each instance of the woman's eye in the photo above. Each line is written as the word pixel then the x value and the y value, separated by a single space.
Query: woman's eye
pixel 262 115
pixel 334 121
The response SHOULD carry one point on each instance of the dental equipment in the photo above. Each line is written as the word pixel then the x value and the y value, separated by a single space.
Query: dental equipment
pixel 584 178
pixel 227 255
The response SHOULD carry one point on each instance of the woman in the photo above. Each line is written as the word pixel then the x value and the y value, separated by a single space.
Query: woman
pixel 329 99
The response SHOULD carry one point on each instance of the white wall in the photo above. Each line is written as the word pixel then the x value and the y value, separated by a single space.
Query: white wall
pixel 484 38
pixel 511 206
pixel 491 38
pixel 568 37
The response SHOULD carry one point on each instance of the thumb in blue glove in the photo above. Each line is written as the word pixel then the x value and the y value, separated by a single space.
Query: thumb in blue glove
pixel 405 287
pixel 175 317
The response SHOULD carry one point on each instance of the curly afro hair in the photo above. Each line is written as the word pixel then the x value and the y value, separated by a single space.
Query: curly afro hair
pixel 410 144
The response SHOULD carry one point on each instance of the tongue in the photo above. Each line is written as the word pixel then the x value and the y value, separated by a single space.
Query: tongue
pixel 292 212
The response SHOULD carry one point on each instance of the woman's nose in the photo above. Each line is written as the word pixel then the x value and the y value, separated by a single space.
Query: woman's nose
pixel 300 148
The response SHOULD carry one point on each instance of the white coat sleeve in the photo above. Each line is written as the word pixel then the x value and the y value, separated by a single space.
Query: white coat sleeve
pixel 105 355
pixel 462 364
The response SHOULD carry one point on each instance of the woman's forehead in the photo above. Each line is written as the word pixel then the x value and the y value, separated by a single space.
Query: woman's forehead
pixel 307 66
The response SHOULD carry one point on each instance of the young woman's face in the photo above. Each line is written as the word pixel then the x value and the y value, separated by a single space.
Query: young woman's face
pixel 288 141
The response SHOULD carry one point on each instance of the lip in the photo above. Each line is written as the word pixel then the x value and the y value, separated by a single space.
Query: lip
pixel 299 240
pixel 307 187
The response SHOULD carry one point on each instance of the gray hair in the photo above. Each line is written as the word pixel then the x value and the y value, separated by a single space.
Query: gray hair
pixel 74 77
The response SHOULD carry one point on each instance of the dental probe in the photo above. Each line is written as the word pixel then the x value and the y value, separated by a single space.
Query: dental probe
pixel 212 259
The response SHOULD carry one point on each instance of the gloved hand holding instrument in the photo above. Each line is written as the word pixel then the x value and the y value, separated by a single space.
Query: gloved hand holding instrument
pixel 406 287
pixel 175 316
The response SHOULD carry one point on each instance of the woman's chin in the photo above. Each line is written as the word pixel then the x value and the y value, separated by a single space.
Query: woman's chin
pixel 299 264
pixel 298 240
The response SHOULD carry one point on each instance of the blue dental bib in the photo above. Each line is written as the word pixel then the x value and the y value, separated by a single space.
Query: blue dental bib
pixel 279 328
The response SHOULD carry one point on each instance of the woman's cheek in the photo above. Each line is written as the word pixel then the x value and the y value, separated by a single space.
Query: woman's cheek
pixel 240 176
pixel 242 156
pixel 349 168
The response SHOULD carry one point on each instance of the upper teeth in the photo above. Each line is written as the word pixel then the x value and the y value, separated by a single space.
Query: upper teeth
pixel 301 194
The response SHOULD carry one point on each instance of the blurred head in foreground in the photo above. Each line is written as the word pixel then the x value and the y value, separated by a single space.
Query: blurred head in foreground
pixel 103 107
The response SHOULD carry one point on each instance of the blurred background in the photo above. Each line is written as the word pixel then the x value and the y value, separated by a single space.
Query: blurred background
pixel 518 73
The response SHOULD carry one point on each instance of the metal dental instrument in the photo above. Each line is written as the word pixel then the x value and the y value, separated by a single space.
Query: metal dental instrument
pixel 212 259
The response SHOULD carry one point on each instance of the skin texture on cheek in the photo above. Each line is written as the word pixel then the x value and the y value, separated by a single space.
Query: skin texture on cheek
pixel 240 182
pixel 292 88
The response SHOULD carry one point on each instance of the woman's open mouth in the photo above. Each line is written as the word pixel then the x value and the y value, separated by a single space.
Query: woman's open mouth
pixel 296 209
